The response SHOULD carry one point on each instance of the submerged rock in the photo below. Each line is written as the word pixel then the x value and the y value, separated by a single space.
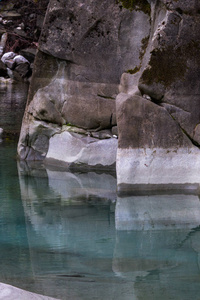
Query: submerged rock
pixel 9 292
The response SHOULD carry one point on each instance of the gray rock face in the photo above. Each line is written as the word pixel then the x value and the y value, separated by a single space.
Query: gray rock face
pixel 84 50
pixel 159 133
pixel 84 43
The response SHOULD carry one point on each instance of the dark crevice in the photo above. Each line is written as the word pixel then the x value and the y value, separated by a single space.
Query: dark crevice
pixel 176 107
pixel 111 117
pixel 46 121
pixel 191 139
pixel 93 27
pixel 179 10
pixel 189 235
pixel 185 132
pixel 105 97
pixel 156 101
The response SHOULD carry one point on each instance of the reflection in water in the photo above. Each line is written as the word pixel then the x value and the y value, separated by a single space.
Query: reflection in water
pixel 13 100
pixel 75 244
pixel 177 211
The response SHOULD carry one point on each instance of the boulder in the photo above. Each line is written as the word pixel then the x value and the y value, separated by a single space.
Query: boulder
pixel 18 66
pixel 23 69
pixel 8 56
pixel 76 150
pixel 19 59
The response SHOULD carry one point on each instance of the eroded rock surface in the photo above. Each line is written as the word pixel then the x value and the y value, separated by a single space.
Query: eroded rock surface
pixel 131 68
pixel 82 54
pixel 159 128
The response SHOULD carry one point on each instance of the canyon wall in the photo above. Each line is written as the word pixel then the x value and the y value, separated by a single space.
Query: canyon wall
pixel 116 84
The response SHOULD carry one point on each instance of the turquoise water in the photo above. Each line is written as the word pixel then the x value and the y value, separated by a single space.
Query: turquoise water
pixel 68 235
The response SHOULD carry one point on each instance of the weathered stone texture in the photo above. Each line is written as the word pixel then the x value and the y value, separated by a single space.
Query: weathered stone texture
pixel 82 54
pixel 84 50
pixel 144 124
pixel 166 114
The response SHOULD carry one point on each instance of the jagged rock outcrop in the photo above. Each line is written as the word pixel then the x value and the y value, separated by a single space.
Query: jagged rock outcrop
pixel 144 54
pixel 82 54
pixel 158 129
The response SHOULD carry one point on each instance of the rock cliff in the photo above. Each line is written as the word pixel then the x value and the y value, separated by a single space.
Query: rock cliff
pixel 126 69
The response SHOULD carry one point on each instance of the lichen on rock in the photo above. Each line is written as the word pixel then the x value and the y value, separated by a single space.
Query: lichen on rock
pixel 142 5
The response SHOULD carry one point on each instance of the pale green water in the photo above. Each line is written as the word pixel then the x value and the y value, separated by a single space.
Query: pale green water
pixel 58 237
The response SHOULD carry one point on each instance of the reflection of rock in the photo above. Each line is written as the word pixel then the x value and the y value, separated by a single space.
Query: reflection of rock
pixel 159 264
pixel 84 185
pixel 13 99
pixel 68 185
pixel 156 245
pixel 70 228
pixel 157 212
pixel 63 197
pixel 73 241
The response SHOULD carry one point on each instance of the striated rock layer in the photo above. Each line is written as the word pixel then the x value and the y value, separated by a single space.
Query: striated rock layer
pixel 126 68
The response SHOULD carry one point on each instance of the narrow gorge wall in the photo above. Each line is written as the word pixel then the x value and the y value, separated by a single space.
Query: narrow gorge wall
pixel 109 69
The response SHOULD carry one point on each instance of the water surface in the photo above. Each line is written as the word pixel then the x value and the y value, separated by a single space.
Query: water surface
pixel 13 97
pixel 68 235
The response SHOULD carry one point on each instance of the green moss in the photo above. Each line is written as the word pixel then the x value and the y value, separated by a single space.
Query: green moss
pixel 166 66
pixel 137 5
pixel 144 43
pixel 169 65
pixel 133 71
pixel 144 46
